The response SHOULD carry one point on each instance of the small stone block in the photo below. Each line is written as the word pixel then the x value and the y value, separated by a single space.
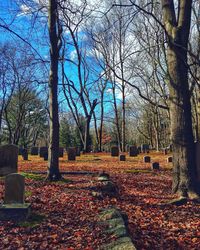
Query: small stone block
pixel 15 212
pixel 71 154
pixel 115 151
pixel 133 151
pixel 34 151
pixel 155 166
pixel 147 158
pixel 122 158
pixel 169 159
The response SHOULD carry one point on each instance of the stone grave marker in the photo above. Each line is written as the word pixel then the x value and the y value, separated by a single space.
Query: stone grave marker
pixel 165 151
pixel 61 152
pixel 145 148
pixel 71 154
pixel 133 151
pixel 114 151
pixel 43 150
pixel 8 159
pixel 20 151
pixel 169 159
pixel 147 158
pixel 122 157
pixel 45 156
pixel 155 166
pixel 78 151
pixel 34 151
pixel 14 189
pixel 25 154
pixel 14 206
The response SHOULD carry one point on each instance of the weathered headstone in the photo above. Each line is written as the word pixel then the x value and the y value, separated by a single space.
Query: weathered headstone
pixel 147 158
pixel 14 206
pixel 45 156
pixel 133 151
pixel 43 150
pixel 155 166
pixel 169 159
pixel 78 151
pixel 165 151
pixel 122 157
pixel 20 151
pixel 61 152
pixel 25 154
pixel 8 159
pixel 14 189
pixel 34 151
pixel 114 151
pixel 71 154
pixel 145 148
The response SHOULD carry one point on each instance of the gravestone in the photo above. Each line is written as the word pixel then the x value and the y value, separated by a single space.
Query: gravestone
pixel 169 159
pixel 147 158
pixel 122 157
pixel 34 151
pixel 165 151
pixel 114 151
pixel 71 154
pixel 14 189
pixel 20 151
pixel 133 151
pixel 14 206
pixel 25 154
pixel 78 151
pixel 145 148
pixel 8 159
pixel 61 152
pixel 45 156
pixel 155 166
pixel 43 150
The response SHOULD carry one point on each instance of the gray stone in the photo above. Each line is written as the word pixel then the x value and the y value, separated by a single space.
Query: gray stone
pixel 8 159
pixel 122 157
pixel 43 150
pixel 25 154
pixel 155 166
pixel 115 151
pixel 34 151
pixel 78 151
pixel 145 148
pixel 169 159
pixel 147 158
pixel 45 156
pixel 14 189
pixel 133 151
pixel 71 154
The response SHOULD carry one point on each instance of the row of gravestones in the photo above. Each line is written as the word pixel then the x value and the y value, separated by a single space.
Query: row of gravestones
pixel 43 152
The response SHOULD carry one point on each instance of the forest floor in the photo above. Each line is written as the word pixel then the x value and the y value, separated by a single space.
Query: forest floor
pixel 65 214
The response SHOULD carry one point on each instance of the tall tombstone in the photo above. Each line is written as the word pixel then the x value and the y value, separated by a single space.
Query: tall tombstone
pixel 133 151
pixel 25 154
pixel 78 151
pixel 14 207
pixel 8 159
pixel 147 158
pixel 43 150
pixel 34 151
pixel 114 151
pixel 61 152
pixel 71 154
pixel 14 189
pixel 145 148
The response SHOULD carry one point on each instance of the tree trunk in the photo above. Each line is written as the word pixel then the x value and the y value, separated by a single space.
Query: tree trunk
pixel 184 165
pixel 53 152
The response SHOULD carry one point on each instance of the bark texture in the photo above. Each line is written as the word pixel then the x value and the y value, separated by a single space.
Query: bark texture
pixel 177 31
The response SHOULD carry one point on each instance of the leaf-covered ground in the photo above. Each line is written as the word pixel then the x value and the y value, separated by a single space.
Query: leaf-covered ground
pixel 65 214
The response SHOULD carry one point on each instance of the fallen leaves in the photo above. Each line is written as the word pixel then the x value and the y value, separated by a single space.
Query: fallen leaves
pixel 70 212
